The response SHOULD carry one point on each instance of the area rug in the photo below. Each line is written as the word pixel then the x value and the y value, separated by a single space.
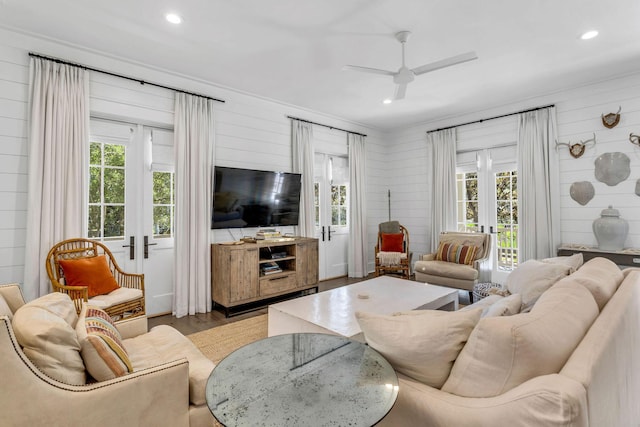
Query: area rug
pixel 216 343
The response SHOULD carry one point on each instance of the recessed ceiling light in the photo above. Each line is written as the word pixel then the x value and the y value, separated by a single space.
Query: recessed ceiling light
pixel 589 35
pixel 174 18
pixel 387 101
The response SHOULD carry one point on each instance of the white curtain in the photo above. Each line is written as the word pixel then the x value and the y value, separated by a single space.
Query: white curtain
pixel 302 146
pixel 538 192
pixel 357 253
pixel 194 151
pixel 443 189
pixel 58 164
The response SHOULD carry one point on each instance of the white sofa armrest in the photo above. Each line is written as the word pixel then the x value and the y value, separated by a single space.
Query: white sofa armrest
pixel 549 400
pixel 133 327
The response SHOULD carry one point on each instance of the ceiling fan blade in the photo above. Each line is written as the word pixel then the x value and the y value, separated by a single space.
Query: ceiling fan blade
pixel 401 91
pixel 458 59
pixel 368 70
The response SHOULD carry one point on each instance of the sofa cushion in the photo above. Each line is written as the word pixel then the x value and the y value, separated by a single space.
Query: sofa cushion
pixel 118 296
pixel 484 303
pixel 101 345
pixel 504 307
pixel 601 277
pixel 422 344
pixel 574 261
pixel 4 308
pixel 453 252
pixel 531 278
pixel 165 344
pixel 503 352
pixel 44 328
pixel 447 269
pixel 92 272
pixel 392 242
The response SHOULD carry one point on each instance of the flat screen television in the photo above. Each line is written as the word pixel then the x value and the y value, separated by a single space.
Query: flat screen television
pixel 255 198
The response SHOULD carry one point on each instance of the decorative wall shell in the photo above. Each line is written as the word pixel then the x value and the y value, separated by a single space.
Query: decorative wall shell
pixel 612 168
pixel 582 192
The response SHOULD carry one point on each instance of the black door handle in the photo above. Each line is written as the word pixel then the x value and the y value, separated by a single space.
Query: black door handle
pixel 329 229
pixel 132 247
pixel 482 228
pixel 146 246
pixel 322 232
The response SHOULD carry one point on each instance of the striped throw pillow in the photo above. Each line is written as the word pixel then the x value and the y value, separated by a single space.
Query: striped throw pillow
pixel 453 252
pixel 101 345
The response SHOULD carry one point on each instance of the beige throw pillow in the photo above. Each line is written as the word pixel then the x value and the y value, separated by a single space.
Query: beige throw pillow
pixel 532 278
pixel 574 261
pixel 503 352
pixel 422 344
pixel 507 306
pixel 601 277
pixel 44 328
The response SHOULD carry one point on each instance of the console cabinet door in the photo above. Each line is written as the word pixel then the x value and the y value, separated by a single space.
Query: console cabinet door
pixel 307 263
pixel 234 274
pixel 243 277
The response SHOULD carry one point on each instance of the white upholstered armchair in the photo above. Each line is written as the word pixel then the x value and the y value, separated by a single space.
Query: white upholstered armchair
pixel 448 269
pixel 166 387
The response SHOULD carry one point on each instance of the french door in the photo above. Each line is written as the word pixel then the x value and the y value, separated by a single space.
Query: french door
pixel 331 195
pixel 487 193
pixel 131 203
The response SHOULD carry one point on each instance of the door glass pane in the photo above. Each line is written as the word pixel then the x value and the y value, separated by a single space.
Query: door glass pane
pixel 507 219
pixel 339 205
pixel 467 195
pixel 163 204
pixel 316 202
pixel 113 185
pixel 113 222
pixel 106 191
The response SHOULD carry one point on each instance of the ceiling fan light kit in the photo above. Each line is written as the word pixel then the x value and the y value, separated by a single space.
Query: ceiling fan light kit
pixel 406 75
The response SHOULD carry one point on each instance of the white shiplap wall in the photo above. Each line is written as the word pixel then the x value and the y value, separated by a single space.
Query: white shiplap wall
pixel 251 132
pixel 578 117
pixel 13 163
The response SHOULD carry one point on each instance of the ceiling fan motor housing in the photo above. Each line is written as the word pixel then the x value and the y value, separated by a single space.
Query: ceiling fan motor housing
pixel 403 76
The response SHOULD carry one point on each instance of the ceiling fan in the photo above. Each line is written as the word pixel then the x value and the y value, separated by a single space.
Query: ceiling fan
pixel 405 75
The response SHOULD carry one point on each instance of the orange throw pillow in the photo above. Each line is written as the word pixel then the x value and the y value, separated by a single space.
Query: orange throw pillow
pixel 392 242
pixel 92 272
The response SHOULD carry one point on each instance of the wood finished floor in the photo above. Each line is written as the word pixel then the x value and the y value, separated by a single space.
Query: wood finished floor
pixel 202 321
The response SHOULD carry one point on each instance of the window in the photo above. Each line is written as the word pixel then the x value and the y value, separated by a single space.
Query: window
pixel 467 195
pixel 163 204
pixel 507 219
pixel 339 205
pixel 316 202
pixel 487 202
pixel 106 191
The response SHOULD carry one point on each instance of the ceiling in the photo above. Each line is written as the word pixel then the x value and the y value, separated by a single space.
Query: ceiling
pixel 293 50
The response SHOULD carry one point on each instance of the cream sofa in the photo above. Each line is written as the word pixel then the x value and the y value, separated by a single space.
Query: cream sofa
pixel 594 382
pixel 165 389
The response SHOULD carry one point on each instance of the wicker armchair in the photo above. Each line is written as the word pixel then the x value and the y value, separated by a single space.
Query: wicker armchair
pixel 402 260
pixel 125 302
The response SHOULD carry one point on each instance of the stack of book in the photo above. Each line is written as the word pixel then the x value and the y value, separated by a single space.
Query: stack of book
pixel 270 268
pixel 267 234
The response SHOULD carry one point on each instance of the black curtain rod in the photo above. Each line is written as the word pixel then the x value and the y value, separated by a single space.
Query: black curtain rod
pixel 142 82
pixel 493 118
pixel 327 126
